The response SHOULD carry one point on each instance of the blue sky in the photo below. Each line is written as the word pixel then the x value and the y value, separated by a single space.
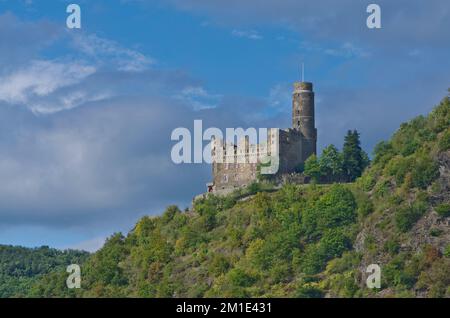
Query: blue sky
pixel 86 115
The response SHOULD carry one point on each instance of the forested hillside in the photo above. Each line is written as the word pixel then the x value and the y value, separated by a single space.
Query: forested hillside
pixel 299 241
pixel 21 267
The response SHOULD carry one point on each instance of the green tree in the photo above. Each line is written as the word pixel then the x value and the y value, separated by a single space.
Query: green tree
pixel 312 168
pixel 331 163
pixel 333 209
pixel 354 158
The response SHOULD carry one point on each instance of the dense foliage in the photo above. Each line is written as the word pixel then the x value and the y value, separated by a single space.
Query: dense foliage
pixel 298 241
pixel 334 166
pixel 21 267
pixel 268 246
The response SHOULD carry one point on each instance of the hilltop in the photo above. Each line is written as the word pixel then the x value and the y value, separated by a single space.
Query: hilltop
pixel 298 241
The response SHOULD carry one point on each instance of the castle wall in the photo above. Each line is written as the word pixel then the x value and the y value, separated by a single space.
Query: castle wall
pixel 233 175
pixel 291 149
pixel 235 166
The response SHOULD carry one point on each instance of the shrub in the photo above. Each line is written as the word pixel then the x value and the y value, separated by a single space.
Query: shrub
pixel 424 172
pixel 348 261
pixel 332 244
pixel 447 251
pixel 254 187
pixel 382 188
pixel 370 243
pixel 406 217
pixel 240 278
pixel 309 292
pixel 367 181
pixel 383 152
pixel 410 147
pixel 396 273
pixel 443 209
pixel 257 254
pixel 279 273
pixel 398 167
pixel 219 265
pixel 365 206
pixel 170 213
pixel 392 247
pixel 408 139
pixel 444 143
pixel 440 116
pixel 436 232
pixel 436 278
pixel 313 259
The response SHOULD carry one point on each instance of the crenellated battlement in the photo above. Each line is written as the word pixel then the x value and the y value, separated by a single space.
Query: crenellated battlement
pixel 245 151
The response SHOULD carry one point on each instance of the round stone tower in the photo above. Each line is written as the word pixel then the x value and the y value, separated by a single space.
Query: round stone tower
pixel 303 112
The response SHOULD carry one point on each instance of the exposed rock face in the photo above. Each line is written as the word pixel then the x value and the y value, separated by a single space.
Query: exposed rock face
pixel 444 178
pixel 420 234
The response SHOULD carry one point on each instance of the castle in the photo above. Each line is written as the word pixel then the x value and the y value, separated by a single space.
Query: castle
pixel 235 166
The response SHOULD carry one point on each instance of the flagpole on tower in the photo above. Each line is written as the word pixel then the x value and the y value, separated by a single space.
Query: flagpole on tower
pixel 303 72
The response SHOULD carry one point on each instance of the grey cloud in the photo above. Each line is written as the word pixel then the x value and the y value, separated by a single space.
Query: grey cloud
pixel 91 163
pixel 404 23
pixel 21 41
pixel 102 160
pixel 94 147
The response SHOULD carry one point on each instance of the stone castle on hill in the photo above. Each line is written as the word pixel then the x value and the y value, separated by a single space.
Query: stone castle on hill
pixel 235 166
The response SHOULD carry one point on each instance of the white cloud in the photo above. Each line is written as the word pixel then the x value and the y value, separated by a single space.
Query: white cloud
pixel 347 50
pixel 69 101
pixel 249 34
pixel 198 97
pixel 40 79
pixel 106 50
pixel 49 86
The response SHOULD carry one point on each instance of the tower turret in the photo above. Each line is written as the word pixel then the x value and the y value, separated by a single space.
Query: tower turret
pixel 303 112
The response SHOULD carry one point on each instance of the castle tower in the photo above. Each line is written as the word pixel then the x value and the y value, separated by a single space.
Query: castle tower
pixel 303 112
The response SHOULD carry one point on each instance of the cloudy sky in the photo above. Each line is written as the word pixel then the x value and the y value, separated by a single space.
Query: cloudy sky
pixel 86 115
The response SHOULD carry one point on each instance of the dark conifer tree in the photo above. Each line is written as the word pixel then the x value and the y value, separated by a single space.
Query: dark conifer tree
pixel 354 158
